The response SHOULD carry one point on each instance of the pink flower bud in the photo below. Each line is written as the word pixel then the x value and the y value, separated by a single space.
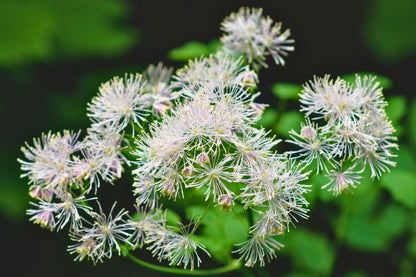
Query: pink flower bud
pixel 225 202
pixel 308 132
pixel 203 158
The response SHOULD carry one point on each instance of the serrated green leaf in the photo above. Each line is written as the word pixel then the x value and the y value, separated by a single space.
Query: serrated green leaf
pixel 310 251
pixel 288 121
pixel 286 90
pixel 402 186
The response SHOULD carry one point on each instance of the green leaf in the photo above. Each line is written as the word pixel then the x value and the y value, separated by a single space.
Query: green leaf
pixel 288 121
pixel 286 90
pixel 59 29
pixel 310 251
pixel 363 235
pixel 370 233
pixel 172 218
pixel 411 246
pixel 385 82
pixel 125 250
pixel 220 230
pixel 268 119
pixel 402 186
pixel 392 221
pixel 193 49
pixel 411 124
pixel 388 30
pixel 396 108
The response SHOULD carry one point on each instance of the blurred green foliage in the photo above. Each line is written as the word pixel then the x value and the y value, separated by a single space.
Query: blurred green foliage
pixel 193 49
pixel 47 30
pixel 388 30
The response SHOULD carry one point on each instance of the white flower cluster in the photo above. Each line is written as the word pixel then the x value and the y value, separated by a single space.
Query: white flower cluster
pixel 208 144
pixel 63 170
pixel 249 33
pixel 356 131
pixel 194 135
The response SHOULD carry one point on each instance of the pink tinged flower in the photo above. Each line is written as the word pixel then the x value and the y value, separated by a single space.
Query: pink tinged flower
pixel 39 192
pixel 257 249
pixel 119 102
pixel 225 201
pixel 86 248
pixel 342 180
pixel 203 158
pixel 308 132
pixel 110 231
pixel 188 171
pixel 42 216
pixel 168 189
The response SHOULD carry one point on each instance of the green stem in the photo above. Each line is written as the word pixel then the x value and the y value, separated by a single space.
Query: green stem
pixel 234 265
pixel 200 219
pixel 240 219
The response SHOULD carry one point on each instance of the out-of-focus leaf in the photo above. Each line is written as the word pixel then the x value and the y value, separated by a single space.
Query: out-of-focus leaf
pixel 411 246
pixel 49 29
pixel 26 31
pixel 370 233
pixel 355 274
pixel 172 218
pixel 388 30
pixel 286 90
pixel 193 49
pixel 396 109
pixel 220 230
pixel 402 186
pixel 310 251
pixel 411 124
pixel 13 193
pixel 288 121
pixel 362 234
pixel 393 220
pixel 385 82
pixel 268 119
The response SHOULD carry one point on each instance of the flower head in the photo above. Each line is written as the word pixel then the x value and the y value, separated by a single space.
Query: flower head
pixel 248 32
pixel 120 101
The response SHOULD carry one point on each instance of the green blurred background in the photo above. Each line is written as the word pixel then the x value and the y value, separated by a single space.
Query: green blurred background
pixel 55 53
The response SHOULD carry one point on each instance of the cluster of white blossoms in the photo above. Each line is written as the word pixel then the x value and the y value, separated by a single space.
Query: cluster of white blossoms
pixel 354 132
pixel 249 33
pixel 194 135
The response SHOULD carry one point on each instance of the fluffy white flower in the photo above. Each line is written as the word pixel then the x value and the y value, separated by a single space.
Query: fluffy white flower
pixel 212 71
pixel 248 32
pixel 258 248
pixel 120 101
pixel 49 160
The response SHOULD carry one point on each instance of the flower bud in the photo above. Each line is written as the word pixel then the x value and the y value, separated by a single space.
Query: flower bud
pixel 225 202
pixel 203 158
pixel 308 132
